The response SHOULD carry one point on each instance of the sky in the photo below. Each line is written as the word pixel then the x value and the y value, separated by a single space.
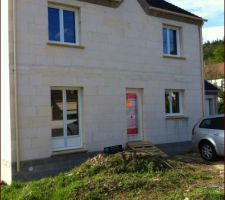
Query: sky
pixel 212 10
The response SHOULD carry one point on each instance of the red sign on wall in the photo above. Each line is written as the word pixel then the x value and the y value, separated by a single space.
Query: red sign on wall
pixel 132 115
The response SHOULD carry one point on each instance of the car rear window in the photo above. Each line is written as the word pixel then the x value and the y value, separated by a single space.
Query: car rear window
pixel 213 123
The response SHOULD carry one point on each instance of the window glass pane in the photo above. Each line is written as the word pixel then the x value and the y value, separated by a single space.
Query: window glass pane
pixel 72 112
pixel 57 113
pixel 165 47
pixel 206 123
pixel 69 26
pixel 175 102
pixel 57 132
pixel 217 123
pixel 53 24
pixel 173 42
pixel 132 113
pixel 167 102
pixel 57 104
pixel 213 123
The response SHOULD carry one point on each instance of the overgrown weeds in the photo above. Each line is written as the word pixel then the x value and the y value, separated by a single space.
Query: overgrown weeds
pixel 124 175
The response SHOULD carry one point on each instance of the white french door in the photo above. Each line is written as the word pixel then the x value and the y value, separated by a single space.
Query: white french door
pixel 134 114
pixel 66 118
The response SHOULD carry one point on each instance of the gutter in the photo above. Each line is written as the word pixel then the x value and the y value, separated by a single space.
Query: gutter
pixel 179 14
pixel 211 92
pixel 159 12
pixel 108 3
pixel 15 89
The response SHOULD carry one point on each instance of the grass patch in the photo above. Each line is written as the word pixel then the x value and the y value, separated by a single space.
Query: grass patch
pixel 207 194
pixel 122 176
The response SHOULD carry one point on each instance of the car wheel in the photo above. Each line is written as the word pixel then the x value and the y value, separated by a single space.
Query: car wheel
pixel 207 151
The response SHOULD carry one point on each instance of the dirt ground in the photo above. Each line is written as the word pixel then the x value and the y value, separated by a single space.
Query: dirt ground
pixel 195 158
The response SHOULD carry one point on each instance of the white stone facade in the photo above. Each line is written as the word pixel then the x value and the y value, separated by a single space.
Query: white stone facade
pixel 122 49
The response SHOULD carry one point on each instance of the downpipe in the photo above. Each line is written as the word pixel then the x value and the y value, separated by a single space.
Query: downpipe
pixel 15 89
pixel 202 69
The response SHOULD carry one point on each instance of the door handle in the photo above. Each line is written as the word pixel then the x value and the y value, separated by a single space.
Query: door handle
pixel 216 134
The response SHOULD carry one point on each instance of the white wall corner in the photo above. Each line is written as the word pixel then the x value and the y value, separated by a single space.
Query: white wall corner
pixel 6 156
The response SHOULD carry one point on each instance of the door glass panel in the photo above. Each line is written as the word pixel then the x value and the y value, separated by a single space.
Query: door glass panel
pixel 72 112
pixel 57 132
pixel 57 104
pixel 57 113
pixel 132 114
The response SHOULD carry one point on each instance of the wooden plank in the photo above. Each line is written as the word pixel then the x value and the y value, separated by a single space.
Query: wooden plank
pixel 145 146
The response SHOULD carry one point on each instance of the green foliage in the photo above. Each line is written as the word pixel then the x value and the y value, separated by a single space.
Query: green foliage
pixel 174 196
pixel 93 195
pixel 207 194
pixel 221 101
pixel 196 194
pixel 213 52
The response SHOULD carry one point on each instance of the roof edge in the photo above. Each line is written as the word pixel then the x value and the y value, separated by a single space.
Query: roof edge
pixel 175 13
pixel 157 12
pixel 107 3
pixel 209 87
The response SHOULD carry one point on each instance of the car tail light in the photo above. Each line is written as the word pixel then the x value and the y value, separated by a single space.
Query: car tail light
pixel 193 130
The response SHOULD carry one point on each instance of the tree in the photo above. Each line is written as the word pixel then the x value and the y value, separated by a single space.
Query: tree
pixel 221 101
pixel 213 52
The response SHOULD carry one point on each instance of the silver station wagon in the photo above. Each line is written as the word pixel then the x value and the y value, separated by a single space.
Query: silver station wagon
pixel 208 137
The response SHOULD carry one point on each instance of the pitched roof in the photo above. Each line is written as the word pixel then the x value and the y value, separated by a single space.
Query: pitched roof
pixel 163 9
pixel 169 7
pixel 210 87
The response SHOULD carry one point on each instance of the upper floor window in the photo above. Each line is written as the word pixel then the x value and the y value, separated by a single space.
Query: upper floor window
pixel 171 41
pixel 62 25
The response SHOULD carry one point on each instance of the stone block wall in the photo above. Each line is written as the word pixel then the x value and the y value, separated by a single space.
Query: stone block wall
pixel 122 49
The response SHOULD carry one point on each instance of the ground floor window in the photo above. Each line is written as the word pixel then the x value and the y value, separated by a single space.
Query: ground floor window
pixel 65 115
pixel 173 102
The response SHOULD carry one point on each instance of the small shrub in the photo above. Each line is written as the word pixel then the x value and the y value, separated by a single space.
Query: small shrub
pixel 125 175
pixel 174 196
pixel 207 194
pixel 93 195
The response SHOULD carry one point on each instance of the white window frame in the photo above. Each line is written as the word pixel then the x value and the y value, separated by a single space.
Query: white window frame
pixel 61 24
pixel 170 102
pixel 178 30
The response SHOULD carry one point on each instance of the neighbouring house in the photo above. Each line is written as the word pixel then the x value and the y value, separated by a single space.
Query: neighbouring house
pixel 214 74
pixel 218 82
pixel 211 98
pixel 80 75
